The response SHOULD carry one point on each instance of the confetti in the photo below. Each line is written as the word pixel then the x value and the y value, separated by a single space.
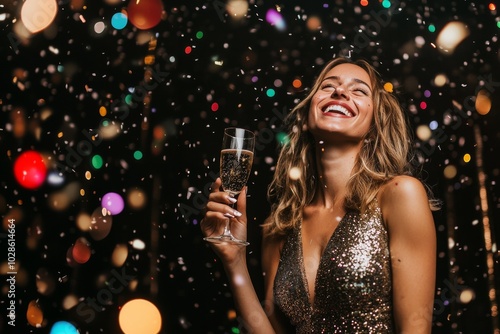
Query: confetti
pixel 130 98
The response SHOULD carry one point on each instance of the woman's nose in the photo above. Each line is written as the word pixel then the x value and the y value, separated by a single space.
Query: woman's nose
pixel 339 91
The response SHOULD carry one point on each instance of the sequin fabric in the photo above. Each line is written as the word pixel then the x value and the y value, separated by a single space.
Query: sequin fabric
pixel 353 290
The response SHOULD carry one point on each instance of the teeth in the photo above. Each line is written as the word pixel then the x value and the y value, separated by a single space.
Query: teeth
pixel 336 107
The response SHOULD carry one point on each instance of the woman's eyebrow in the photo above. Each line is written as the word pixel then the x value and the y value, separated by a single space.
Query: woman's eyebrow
pixel 334 77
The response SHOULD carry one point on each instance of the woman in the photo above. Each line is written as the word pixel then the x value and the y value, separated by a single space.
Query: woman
pixel 350 245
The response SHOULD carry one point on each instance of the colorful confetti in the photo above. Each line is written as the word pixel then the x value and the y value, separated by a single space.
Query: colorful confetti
pixel 112 113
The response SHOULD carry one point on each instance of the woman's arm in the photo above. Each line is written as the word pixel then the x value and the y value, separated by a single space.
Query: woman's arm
pixel 271 252
pixel 233 257
pixel 405 210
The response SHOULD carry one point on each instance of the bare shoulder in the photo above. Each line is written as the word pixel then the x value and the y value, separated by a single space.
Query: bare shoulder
pixel 403 200
pixel 402 190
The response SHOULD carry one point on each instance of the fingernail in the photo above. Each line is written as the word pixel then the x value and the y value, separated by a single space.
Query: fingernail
pixel 228 215
pixel 237 213
pixel 231 199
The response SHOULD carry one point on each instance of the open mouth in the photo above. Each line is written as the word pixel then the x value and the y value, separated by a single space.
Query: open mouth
pixel 338 109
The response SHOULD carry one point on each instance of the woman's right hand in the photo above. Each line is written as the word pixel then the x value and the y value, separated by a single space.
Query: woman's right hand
pixel 218 213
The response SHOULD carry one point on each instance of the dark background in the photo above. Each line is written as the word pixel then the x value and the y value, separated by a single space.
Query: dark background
pixel 233 64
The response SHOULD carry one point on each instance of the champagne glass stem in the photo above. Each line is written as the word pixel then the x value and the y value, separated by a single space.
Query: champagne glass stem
pixel 227 230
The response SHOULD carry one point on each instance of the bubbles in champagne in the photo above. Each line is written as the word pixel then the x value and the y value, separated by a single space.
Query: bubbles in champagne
pixel 235 169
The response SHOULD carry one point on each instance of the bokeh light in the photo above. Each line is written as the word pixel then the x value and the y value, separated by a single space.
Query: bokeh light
pixel 138 155
pixel 37 15
pixel 297 83
pixel 60 200
pixel 136 198
pixel 30 170
pixel 294 173
pixel 450 172
pixel 45 282
pixel 145 14
pixel 113 104
pixel 120 254
pixel 84 222
pixel 313 23
pixel 34 314
pixel 140 316
pixel 113 202
pixel 440 80
pixel 100 223
pixel 467 295
pixel 119 21
pixel 275 18
pixel 423 132
pixel 389 87
pixel 97 161
pixel 483 102
pixel 237 9
pixel 81 250
pixel 451 36
pixel 63 327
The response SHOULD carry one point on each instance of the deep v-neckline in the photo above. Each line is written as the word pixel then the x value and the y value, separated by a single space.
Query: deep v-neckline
pixel 302 264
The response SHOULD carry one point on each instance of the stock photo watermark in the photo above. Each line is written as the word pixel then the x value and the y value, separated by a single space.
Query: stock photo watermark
pixel 264 137
pixel 120 107
pixel 370 30
pixel 11 273
pixel 438 136
pixel 41 11
pixel 89 307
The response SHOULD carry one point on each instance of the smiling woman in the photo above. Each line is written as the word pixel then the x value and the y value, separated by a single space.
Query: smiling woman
pixel 353 220
pixel 343 104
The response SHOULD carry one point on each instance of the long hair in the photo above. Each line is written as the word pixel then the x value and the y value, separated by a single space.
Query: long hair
pixel 386 153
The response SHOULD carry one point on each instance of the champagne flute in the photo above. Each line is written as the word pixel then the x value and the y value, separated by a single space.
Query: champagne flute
pixel 235 165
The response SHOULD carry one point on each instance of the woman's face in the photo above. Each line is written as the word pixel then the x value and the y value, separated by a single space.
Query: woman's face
pixel 342 108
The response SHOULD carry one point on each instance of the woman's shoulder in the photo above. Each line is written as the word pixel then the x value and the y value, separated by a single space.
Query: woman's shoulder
pixel 402 187
pixel 402 194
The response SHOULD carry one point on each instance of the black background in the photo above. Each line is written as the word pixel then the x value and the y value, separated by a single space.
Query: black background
pixel 181 275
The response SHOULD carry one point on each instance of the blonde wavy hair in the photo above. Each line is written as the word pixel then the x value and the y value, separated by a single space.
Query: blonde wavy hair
pixel 386 153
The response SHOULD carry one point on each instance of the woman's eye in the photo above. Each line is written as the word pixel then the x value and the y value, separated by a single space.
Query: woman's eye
pixel 361 91
pixel 327 86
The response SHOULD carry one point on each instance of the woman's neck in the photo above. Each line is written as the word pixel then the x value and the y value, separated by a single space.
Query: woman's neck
pixel 334 166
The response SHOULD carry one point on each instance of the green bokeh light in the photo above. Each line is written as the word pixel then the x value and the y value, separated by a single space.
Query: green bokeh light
pixel 282 138
pixel 97 161
pixel 128 99
pixel 137 155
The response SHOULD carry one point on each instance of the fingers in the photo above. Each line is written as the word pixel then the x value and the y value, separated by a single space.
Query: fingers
pixel 221 204
pixel 242 202
pixel 223 209
pixel 216 185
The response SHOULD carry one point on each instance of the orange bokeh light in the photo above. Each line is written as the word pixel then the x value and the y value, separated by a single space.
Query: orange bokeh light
pixel 139 316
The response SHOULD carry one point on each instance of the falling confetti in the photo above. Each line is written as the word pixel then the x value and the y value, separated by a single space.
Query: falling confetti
pixel 120 105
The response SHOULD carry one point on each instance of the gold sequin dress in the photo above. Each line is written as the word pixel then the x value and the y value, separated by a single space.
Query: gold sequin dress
pixel 353 290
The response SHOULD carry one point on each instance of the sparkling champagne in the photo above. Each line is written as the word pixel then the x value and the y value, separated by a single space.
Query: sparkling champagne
pixel 235 169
